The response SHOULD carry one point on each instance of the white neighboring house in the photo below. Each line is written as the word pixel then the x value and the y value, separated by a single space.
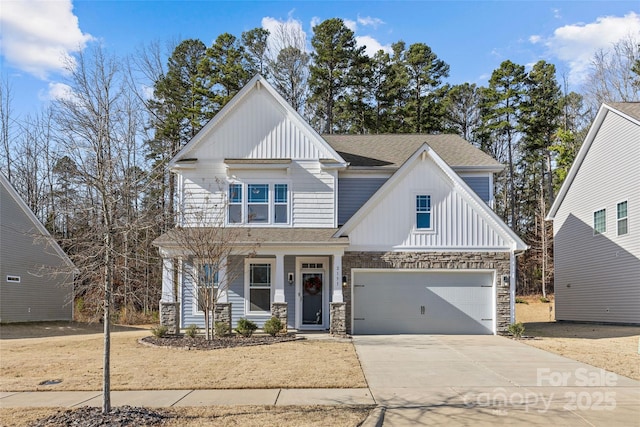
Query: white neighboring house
pixel 363 234
pixel 36 276
pixel 595 223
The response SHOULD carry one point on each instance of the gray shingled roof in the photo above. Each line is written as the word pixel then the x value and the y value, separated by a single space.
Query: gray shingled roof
pixel 273 237
pixel 392 150
pixel 630 108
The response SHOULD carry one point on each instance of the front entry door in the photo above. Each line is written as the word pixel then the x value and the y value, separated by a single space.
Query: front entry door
pixel 312 292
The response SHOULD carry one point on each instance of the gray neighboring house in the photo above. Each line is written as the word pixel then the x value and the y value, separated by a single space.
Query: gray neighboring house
pixel 370 234
pixel 36 276
pixel 596 236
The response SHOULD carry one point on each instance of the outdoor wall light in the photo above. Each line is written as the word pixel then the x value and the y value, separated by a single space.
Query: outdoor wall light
pixel 290 278
pixel 344 281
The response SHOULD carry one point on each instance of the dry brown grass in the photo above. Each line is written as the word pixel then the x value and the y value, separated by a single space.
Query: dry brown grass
pixel 246 416
pixel 611 347
pixel 77 361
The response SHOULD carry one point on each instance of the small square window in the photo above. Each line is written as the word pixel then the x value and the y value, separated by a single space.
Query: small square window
pixel 622 217
pixel 600 221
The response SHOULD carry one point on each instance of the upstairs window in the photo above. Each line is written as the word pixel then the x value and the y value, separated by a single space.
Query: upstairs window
pixel 623 227
pixel 235 203
pixel 281 204
pixel 263 204
pixel 600 221
pixel 423 212
pixel 258 203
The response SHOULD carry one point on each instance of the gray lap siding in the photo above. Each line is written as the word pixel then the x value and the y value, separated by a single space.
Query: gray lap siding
pixel 498 261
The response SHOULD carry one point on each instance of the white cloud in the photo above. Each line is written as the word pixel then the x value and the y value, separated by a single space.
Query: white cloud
pixel 284 33
pixel 350 24
pixel 556 13
pixel 576 44
pixel 40 36
pixel 315 21
pixel 372 45
pixel 368 21
pixel 57 91
pixel 535 39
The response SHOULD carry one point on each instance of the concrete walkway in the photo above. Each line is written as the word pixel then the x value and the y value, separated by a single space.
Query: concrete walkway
pixel 166 398
pixel 488 381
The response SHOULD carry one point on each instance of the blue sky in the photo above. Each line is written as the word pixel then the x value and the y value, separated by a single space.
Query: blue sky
pixel 473 37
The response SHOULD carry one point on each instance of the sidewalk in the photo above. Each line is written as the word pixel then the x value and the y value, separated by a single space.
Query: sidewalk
pixel 166 398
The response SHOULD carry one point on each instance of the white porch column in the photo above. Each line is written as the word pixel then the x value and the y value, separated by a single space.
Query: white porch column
pixel 337 279
pixel 167 279
pixel 278 295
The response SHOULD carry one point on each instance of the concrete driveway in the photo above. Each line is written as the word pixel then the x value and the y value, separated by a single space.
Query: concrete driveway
pixel 489 380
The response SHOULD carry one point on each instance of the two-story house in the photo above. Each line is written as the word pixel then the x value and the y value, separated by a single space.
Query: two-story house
pixel 361 234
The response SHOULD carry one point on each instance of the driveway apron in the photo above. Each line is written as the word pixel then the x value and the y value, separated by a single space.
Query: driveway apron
pixel 487 380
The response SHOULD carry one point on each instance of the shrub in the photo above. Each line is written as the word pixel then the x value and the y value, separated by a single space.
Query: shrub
pixel 273 326
pixel 516 329
pixel 191 331
pixel 246 327
pixel 544 299
pixel 159 331
pixel 221 329
pixel 521 301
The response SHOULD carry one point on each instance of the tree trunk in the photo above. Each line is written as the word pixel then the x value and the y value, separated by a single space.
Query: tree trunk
pixel 106 374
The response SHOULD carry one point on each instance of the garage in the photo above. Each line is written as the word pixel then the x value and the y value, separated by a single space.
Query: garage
pixel 389 301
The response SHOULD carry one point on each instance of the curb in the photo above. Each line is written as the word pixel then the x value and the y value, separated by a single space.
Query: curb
pixel 375 418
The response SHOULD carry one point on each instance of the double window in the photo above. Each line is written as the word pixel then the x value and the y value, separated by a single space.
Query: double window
pixel 207 286
pixel 258 285
pixel 423 212
pixel 263 203
pixel 622 217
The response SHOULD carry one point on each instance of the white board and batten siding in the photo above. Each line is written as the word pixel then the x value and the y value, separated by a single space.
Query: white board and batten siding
pixel 456 219
pixel 597 277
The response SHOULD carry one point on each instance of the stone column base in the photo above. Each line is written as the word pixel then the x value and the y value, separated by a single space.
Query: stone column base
pixel 338 319
pixel 170 316
pixel 280 310
pixel 222 313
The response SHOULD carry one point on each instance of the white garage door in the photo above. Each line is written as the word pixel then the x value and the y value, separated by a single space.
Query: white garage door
pixel 421 302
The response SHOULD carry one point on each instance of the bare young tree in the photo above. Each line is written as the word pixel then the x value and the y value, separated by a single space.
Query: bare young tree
pixel 95 129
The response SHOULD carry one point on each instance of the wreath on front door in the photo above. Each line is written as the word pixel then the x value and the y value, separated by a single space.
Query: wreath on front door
pixel 313 285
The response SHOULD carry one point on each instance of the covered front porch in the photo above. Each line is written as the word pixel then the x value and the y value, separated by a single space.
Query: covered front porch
pixel 293 274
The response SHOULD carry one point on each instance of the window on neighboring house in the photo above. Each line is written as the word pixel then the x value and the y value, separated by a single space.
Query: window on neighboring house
pixel 207 285
pixel 623 227
pixel 263 204
pixel 235 203
pixel 260 287
pixel 600 221
pixel 423 212
pixel 281 204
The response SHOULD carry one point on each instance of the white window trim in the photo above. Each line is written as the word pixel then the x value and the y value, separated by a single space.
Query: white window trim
pixel 593 221
pixel 195 293
pixel 271 205
pixel 620 219
pixel 414 212
pixel 247 288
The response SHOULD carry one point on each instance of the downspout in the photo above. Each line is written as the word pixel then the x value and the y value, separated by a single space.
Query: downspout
pixel 513 269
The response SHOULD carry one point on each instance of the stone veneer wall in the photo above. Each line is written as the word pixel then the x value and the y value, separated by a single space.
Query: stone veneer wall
pixel 279 310
pixel 338 319
pixel 222 313
pixel 170 316
pixel 498 261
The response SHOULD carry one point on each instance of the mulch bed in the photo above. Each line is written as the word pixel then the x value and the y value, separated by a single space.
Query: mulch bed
pixel 200 343
pixel 123 416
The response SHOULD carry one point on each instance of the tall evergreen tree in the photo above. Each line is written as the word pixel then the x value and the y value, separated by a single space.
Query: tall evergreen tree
pixel 425 72
pixel 334 50
pixel 255 44
pixel 500 125
pixel 354 108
